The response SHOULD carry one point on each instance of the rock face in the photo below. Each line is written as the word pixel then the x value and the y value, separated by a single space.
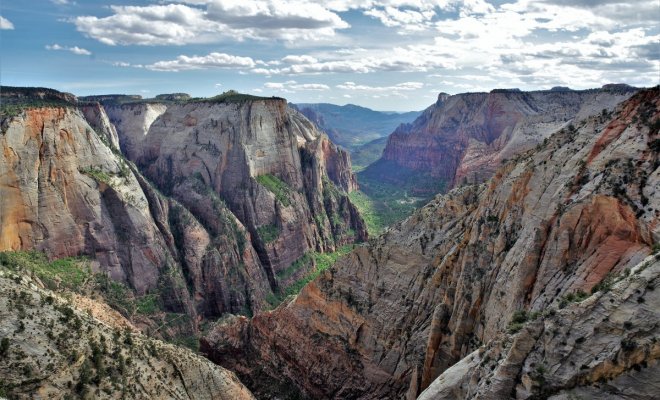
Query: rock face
pixel 41 358
pixel 249 189
pixel 464 138
pixel 276 172
pixel 556 247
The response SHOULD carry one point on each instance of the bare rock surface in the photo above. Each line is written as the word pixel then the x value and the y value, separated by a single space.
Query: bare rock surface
pixel 271 166
pixel 249 189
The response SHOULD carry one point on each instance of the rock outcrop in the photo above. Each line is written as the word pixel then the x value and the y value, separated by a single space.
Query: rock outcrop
pixel 51 347
pixel 539 282
pixel 464 138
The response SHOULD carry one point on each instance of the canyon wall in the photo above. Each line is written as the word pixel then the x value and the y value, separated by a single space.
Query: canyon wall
pixel 550 258
pixel 206 218
pixel 465 137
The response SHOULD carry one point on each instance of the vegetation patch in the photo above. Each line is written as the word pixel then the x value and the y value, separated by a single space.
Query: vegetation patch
pixel 97 174
pixel 70 273
pixel 389 193
pixel 303 261
pixel 520 318
pixel 268 233
pixel 277 187
pixel 322 261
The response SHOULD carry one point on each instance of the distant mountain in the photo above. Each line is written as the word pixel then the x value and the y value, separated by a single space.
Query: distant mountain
pixel 351 126
pixel 464 138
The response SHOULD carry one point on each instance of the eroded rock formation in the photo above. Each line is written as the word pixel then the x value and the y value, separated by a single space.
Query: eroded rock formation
pixel 464 138
pixel 250 187
pixel 556 246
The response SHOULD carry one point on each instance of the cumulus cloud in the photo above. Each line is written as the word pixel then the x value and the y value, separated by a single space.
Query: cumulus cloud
pixel 5 23
pixel 212 21
pixel 413 20
pixel 75 49
pixel 212 60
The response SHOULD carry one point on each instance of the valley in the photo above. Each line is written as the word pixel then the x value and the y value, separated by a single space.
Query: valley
pixel 329 200
pixel 495 229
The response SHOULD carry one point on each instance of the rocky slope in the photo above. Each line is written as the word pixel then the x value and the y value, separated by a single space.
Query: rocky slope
pixel 464 138
pixel 105 358
pixel 542 278
pixel 67 190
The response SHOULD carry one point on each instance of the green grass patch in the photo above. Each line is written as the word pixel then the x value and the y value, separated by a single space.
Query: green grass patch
pixel 97 174
pixel 276 186
pixel 304 260
pixel 147 304
pixel 322 262
pixel 268 233
pixel 70 272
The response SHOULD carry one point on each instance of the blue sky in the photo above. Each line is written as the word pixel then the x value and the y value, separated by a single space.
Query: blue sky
pixel 387 55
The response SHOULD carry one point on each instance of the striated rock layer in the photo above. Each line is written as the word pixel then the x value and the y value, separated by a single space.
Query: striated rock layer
pixel 464 138
pixel 268 163
pixel 249 189
pixel 560 237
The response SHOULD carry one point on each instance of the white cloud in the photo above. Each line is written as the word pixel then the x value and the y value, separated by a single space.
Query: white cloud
pixel 150 25
pixel 412 20
pixel 75 49
pixel 212 60
pixel 302 59
pixel 212 21
pixel 401 59
pixel 5 23
pixel 404 86
pixel 62 2
pixel 293 86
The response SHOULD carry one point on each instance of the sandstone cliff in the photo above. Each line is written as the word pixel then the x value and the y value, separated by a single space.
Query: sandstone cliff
pixel 271 166
pixel 66 189
pixel 464 138
pixel 559 239
pixel 53 346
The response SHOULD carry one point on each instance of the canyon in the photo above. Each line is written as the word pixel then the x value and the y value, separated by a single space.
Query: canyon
pixel 538 283
pixel 196 221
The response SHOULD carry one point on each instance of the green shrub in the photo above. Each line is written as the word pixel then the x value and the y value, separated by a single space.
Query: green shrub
pixel 268 233
pixel 70 272
pixel 147 304
pixel 276 186
pixel 97 174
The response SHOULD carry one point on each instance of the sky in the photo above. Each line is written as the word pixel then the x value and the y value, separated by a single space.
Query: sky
pixel 392 55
